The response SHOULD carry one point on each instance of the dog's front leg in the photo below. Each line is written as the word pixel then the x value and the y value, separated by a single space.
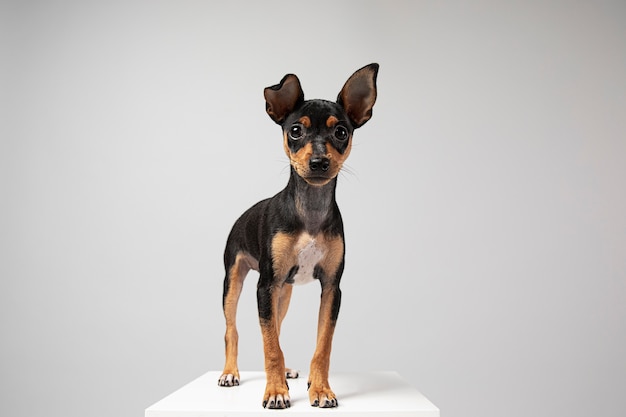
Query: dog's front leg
pixel 276 389
pixel 320 394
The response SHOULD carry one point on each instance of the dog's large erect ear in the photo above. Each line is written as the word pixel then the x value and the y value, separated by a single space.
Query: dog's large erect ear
pixel 281 99
pixel 358 95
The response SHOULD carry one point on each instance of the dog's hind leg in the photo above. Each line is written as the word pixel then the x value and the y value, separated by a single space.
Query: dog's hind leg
pixel 283 306
pixel 233 283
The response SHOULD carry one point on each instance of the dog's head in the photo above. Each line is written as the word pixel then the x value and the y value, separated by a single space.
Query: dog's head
pixel 318 133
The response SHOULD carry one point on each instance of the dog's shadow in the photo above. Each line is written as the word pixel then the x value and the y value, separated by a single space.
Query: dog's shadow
pixel 366 387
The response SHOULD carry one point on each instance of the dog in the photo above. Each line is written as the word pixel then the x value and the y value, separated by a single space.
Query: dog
pixel 297 236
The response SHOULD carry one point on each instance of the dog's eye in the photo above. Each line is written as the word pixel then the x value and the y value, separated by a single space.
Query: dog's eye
pixel 296 132
pixel 341 133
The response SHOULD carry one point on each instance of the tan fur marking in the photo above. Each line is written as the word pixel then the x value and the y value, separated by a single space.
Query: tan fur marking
pixel 239 270
pixel 269 328
pixel 274 358
pixel 318 377
pixel 283 255
pixel 337 159
pixel 333 255
pixel 300 159
pixel 283 304
pixel 331 121
pixel 286 246
pixel 306 122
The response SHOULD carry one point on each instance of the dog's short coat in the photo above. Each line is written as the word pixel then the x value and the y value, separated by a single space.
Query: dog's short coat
pixel 297 235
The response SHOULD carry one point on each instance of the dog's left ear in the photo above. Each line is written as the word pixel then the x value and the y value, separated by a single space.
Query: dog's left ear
pixel 358 95
pixel 281 99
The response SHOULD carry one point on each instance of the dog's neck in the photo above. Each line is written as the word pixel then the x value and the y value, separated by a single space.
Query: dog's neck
pixel 314 204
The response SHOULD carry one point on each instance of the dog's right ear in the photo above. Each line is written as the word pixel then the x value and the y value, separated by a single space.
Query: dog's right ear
pixel 281 99
pixel 358 95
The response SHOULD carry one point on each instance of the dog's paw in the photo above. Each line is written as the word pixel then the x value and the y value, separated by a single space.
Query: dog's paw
pixel 322 397
pixel 291 373
pixel 228 380
pixel 276 396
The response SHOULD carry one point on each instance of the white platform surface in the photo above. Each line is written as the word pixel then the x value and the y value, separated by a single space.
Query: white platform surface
pixel 358 393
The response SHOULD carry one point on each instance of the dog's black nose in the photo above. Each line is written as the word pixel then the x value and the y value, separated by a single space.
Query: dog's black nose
pixel 319 164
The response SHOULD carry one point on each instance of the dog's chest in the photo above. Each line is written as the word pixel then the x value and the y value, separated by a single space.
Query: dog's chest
pixel 309 252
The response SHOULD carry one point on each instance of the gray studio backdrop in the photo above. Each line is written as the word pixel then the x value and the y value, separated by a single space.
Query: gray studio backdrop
pixel 484 203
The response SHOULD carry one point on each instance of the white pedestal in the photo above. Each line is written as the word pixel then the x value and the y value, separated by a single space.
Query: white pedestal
pixel 360 393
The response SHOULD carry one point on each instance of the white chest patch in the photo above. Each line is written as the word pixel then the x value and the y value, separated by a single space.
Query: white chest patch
pixel 309 254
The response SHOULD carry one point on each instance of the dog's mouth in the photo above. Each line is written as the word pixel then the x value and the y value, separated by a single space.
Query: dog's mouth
pixel 318 179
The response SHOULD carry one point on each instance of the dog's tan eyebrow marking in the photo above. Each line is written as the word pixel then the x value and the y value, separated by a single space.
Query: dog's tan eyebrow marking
pixel 331 121
pixel 306 122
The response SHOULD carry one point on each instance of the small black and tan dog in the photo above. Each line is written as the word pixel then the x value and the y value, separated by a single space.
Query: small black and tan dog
pixel 296 236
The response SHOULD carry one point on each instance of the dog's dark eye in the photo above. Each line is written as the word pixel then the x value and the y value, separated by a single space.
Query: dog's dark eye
pixel 341 133
pixel 296 132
